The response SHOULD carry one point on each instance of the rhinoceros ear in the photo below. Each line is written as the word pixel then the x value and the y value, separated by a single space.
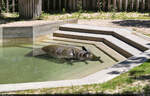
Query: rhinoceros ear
pixel 83 48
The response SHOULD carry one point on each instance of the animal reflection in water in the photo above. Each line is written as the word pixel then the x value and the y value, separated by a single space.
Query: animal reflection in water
pixel 70 53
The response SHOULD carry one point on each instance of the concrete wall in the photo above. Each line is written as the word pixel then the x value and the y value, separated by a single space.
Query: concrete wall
pixel 30 34
pixel 48 29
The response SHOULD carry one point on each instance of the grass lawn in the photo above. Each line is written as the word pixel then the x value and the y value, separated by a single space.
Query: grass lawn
pixel 136 80
pixel 96 15
pixel 12 17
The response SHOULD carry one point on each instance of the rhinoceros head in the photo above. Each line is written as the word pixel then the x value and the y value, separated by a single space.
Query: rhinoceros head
pixel 91 56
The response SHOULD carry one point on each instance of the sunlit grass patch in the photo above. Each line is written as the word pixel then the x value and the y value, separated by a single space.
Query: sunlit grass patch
pixel 96 15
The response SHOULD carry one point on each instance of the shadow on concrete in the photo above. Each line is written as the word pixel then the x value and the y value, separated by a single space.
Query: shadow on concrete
pixel 133 23
pixel 148 44
pixel 148 54
pixel 114 72
pixel 128 62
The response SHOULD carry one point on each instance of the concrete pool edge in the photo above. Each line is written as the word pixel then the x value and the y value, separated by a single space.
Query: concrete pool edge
pixel 98 77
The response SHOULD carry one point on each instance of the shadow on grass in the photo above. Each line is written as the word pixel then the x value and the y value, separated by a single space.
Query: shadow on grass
pixel 5 20
pixel 146 89
pixel 141 77
pixel 133 23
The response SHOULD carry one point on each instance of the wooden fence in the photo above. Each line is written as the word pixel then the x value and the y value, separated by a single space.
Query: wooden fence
pixel 105 5
pixel 74 5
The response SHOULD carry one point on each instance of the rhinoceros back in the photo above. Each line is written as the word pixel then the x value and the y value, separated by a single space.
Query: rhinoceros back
pixel 58 51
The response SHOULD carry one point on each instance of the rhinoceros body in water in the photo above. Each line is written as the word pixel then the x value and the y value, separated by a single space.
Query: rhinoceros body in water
pixel 68 52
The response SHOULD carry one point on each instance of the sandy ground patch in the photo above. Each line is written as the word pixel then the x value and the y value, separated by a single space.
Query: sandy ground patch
pixel 142 26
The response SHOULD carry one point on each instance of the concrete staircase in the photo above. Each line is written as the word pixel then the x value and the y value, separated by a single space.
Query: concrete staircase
pixel 118 40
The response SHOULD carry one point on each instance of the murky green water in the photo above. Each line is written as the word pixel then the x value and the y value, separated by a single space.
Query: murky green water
pixel 17 67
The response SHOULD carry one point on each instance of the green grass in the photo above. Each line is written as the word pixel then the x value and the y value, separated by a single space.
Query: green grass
pixel 136 80
pixel 96 15
pixel 12 17
pixel 147 34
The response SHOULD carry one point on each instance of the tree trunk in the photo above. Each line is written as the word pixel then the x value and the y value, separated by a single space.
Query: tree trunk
pixel 30 9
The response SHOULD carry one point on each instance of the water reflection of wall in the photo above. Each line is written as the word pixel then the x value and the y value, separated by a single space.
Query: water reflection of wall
pixel 1 38
pixel 1 30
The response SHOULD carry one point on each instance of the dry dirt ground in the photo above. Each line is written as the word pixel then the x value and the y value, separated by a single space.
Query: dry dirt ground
pixel 142 26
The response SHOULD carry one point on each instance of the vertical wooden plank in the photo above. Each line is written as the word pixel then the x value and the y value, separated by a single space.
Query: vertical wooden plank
pixel 148 5
pixel 30 8
pixel 48 5
pixel 109 5
pixel 0 7
pixel 7 6
pixel 93 4
pixel 84 4
pixel 143 5
pixel 39 7
pixel 54 5
pixel 103 4
pixel 74 5
pixel 13 5
pixel 126 5
pixel 132 5
pixel 60 5
pixel 21 10
pixel 43 7
pixel 26 9
pixel 120 5
pixel 70 5
pixel 114 4
pixel 65 4
pixel 137 5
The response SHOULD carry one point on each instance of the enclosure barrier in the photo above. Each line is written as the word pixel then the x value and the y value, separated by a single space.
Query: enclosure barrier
pixel 74 5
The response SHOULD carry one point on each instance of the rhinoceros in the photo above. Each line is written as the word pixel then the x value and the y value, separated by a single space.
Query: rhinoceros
pixel 69 53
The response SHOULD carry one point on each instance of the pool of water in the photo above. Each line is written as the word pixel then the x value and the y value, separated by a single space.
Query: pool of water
pixel 17 67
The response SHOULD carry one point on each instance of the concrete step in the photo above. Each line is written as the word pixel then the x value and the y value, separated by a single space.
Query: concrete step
pixel 100 45
pixel 121 47
pixel 122 34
